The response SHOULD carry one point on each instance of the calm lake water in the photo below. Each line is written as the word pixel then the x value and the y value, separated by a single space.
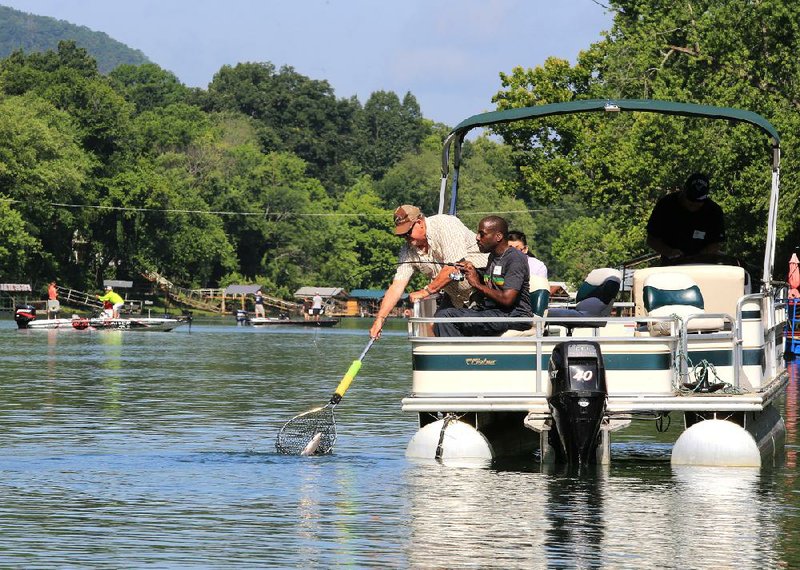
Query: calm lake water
pixel 126 449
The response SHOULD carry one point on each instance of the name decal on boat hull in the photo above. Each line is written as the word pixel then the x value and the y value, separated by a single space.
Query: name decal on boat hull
pixel 480 361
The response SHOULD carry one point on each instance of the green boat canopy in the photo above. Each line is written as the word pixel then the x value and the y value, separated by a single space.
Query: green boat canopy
pixel 456 137
pixel 608 105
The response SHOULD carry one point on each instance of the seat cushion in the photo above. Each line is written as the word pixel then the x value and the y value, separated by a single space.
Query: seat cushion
pixel 539 295
pixel 720 285
pixel 666 294
pixel 603 284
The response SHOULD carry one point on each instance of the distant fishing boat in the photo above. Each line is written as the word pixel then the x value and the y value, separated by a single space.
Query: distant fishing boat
pixel 261 321
pixel 25 317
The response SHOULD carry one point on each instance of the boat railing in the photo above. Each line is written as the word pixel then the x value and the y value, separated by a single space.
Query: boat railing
pixel 417 331
pixel 774 307
pixel 538 335
pixel 731 332
pixel 739 332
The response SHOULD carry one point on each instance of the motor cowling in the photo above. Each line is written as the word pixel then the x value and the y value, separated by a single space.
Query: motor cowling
pixel 577 401
pixel 23 314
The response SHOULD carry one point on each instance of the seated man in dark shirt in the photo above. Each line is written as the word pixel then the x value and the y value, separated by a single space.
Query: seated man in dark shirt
pixel 503 285
pixel 686 222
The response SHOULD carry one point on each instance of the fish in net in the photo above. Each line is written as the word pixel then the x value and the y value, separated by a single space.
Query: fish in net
pixel 314 432
pixel 310 433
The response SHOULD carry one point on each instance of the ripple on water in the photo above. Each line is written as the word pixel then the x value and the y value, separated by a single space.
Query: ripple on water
pixel 129 449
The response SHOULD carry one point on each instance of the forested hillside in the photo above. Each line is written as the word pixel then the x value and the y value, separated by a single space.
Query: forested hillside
pixel 31 33
pixel 267 176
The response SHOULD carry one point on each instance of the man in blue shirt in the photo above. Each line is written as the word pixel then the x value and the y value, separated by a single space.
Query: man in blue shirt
pixel 260 312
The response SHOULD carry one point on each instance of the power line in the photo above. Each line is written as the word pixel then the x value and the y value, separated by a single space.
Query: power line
pixel 252 213
pixel 601 5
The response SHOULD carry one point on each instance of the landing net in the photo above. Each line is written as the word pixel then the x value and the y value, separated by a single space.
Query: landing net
pixel 299 432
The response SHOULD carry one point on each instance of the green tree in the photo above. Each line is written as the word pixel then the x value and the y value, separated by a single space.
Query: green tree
pixel 41 163
pixel 294 113
pixel 155 219
pixel 169 129
pixel 365 245
pixel 415 178
pixel 69 79
pixel 390 129
pixel 617 166
pixel 148 86
pixel 17 246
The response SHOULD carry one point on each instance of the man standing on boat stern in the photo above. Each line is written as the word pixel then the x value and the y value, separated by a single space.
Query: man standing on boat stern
pixel 53 305
pixel 431 244
pixel 686 222
pixel 316 305
pixel 116 301
pixel 259 304
pixel 504 285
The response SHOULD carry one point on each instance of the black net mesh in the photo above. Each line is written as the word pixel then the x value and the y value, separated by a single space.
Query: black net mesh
pixel 298 432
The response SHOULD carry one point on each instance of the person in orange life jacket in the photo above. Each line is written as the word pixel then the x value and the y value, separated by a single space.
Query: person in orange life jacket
pixel 52 301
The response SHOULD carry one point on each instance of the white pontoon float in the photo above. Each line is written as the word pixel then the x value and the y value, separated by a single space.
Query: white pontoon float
pixel 721 366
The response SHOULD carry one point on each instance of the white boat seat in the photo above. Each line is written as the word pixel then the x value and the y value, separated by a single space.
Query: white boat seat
pixel 667 294
pixel 595 298
pixel 721 285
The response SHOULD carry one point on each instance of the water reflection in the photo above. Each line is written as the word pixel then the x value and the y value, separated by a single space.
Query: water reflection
pixel 790 416
pixel 618 517
pixel 575 517
pixel 110 357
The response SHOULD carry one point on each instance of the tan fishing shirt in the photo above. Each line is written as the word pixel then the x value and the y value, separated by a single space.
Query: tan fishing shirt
pixel 449 241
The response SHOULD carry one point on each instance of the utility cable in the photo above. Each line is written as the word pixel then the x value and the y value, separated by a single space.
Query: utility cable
pixel 261 213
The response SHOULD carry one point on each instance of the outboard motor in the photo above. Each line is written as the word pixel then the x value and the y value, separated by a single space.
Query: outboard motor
pixel 23 314
pixel 577 400
pixel 241 316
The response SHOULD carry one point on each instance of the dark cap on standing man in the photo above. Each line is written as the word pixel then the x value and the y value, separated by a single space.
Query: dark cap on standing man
pixel 404 218
pixel 696 187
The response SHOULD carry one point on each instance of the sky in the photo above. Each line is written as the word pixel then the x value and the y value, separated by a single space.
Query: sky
pixel 447 53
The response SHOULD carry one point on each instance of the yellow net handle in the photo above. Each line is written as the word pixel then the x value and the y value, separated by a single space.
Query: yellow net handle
pixel 346 381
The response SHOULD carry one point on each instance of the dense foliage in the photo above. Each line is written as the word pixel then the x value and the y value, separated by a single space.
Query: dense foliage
pixel 739 54
pixel 267 176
